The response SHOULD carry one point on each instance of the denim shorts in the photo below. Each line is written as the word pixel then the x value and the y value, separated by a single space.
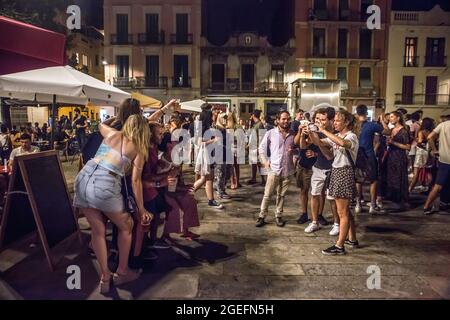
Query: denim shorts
pixel 97 188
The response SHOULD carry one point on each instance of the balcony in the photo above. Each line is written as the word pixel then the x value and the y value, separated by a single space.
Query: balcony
pixel 273 87
pixel 152 82
pixel 178 82
pixel 149 38
pixel 121 39
pixel 435 61
pixel 411 61
pixel 267 88
pixel 176 38
pixel 123 82
pixel 423 99
pixel 360 92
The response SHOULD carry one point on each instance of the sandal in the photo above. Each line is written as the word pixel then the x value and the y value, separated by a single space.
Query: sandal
pixel 105 285
pixel 190 235
pixel 119 279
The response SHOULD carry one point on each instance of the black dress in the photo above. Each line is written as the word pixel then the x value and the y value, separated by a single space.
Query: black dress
pixel 397 169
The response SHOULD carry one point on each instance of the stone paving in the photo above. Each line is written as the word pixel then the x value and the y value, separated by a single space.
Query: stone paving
pixel 235 260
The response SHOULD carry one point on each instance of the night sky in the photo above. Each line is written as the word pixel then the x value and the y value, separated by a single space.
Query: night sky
pixel 271 18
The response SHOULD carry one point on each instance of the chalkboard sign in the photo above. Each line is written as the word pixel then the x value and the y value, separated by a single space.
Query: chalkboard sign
pixel 38 199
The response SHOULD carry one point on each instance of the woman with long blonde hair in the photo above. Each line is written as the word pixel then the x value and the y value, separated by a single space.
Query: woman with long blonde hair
pixel 98 193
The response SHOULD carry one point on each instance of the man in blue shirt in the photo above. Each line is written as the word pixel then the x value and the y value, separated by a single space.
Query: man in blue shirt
pixel 370 164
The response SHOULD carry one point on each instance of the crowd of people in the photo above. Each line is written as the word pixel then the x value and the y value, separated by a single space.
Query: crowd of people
pixel 133 178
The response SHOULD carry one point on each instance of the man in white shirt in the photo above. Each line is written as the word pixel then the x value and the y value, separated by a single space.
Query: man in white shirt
pixel 280 165
pixel 443 132
pixel 25 148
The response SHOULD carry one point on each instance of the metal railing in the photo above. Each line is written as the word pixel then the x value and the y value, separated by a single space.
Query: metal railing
pixel 150 38
pixel 411 61
pixel 152 82
pixel 122 38
pixel 264 87
pixel 435 61
pixel 423 99
pixel 123 82
pixel 181 82
pixel 178 38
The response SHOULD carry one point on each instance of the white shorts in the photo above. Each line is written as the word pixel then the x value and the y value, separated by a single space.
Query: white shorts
pixel 318 180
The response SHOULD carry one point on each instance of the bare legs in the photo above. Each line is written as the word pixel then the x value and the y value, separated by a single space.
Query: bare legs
pixel 347 222
pixel 124 223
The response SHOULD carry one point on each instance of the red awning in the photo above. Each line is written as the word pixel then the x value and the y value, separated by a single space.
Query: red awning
pixel 25 47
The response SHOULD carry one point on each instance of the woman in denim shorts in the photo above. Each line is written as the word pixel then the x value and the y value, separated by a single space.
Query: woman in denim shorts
pixel 97 192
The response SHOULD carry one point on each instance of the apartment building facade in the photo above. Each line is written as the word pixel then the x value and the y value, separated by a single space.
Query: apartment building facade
pixel 247 65
pixel 418 76
pixel 334 43
pixel 152 46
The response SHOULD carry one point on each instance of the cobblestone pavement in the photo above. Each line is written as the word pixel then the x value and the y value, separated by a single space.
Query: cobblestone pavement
pixel 235 260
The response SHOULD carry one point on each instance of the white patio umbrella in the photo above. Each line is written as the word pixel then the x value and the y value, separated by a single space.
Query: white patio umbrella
pixel 66 84
pixel 59 85
pixel 192 106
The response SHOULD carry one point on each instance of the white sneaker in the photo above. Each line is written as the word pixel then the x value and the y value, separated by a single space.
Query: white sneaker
pixel 379 203
pixel 335 230
pixel 313 226
pixel 358 208
pixel 376 210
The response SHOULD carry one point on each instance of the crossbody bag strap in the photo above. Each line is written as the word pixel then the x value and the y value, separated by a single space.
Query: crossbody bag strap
pixel 349 156
pixel 121 158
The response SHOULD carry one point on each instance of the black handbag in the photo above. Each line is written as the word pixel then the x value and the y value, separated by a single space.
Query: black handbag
pixel 130 203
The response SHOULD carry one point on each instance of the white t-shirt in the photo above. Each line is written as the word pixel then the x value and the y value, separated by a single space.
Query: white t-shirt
pixel 340 155
pixel 443 130
pixel 19 151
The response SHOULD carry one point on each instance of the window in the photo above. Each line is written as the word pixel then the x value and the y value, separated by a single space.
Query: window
pixel 365 43
pixel 152 24
pixel 97 60
pixel 364 5
pixel 435 52
pixel 320 9
pixel 122 66
pixel 181 71
pixel 218 76
pixel 318 42
pixel 77 55
pixel 407 90
pixel 344 12
pixel 365 77
pixel 410 58
pixel 431 90
pixel 182 27
pixel 342 43
pixel 85 60
pixel 342 76
pixel 122 28
pixel 248 77
pixel 277 73
pixel 318 72
pixel 152 71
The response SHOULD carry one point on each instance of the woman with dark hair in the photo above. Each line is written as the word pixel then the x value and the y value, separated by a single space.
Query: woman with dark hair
pixel 421 161
pixel 5 144
pixel 342 186
pixel 397 161
pixel 182 211
pixel 203 168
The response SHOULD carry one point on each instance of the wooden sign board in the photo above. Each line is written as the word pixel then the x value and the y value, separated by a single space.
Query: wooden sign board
pixel 38 199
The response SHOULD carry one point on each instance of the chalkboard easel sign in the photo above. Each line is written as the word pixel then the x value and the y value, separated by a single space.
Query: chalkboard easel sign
pixel 38 199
